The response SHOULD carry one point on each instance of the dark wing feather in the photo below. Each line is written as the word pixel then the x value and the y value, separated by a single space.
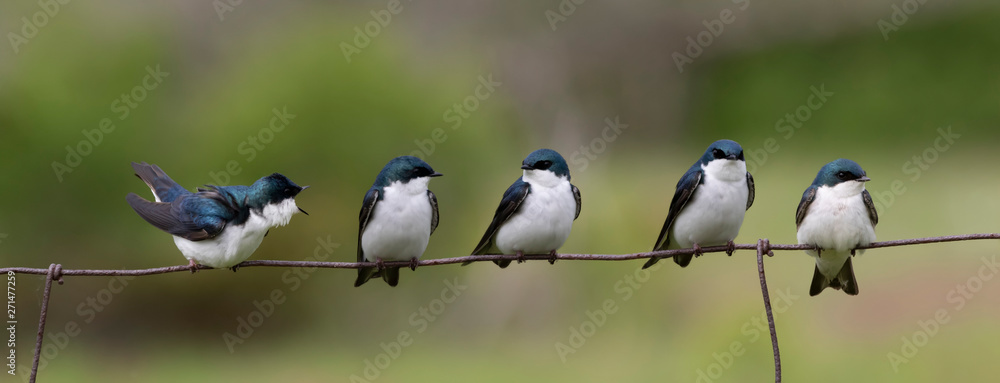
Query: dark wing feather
pixel 872 214
pixel 174 219
pixel 163 187
pixel 371 198
pixel 434 210
pixel 807 198
pixel 210 211
pixel 220 203
pixel 751 187
pixel 366 273
pixel 511 201
pixel 579 205
pixel 685 189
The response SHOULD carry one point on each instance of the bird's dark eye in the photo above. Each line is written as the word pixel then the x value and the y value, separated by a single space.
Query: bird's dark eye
pixel 718 153
pixel 542 165
pixel 842 175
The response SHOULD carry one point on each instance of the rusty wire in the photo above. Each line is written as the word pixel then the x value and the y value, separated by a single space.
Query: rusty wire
pixel 763 246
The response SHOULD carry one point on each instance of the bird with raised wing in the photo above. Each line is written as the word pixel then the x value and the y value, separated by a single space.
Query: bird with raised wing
pixel 217 226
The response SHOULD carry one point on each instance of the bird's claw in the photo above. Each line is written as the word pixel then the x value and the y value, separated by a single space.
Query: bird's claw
pixel 414 262
pixel 235 267
pixel 379 264
pixel 697 250
pixel 552 257
pixel 852 252
pixel 192 265
pixel 730 248
pixel 520 257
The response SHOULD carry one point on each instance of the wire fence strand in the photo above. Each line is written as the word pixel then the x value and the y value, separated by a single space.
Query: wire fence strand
pixel 482 258
pixel 762 247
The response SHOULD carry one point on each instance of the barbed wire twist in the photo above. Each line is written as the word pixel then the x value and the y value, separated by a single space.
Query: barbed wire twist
pixel 763 247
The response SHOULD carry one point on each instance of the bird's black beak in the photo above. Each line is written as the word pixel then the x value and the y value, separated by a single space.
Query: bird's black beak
pixel 435 174
pixel 300 190
pixel 863 179
pixel 526 167
pixel 732 157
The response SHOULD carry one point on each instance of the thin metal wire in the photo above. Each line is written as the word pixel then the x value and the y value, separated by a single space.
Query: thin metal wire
pixel 763 246
pixel 482 258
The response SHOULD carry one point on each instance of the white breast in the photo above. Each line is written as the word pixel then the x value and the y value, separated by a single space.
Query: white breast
pixel 715 212
pixel 237 242
pixel 400 226
pixel 837 221
pixel 545 218
pixel 234 245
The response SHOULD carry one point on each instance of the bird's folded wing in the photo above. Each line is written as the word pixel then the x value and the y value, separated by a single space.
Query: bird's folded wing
pixel 371 198
pixel 172 218
pixel 872 213
pixel 807 199
pixel 579 201
pixel 686 187
pixel 434 210
pixel 509 204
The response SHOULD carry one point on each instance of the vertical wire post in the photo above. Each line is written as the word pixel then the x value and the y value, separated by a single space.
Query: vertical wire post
pixel 55 272
pixel 764 247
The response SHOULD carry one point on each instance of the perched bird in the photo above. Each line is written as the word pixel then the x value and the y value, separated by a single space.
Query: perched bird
pixel 219 226
pixel 709 203
pixel 536 213
pixel 398 217
pixel 836 215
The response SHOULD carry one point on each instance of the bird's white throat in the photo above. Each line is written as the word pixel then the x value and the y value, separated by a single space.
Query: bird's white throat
pixel 414 186
pixel 545 178
pixel 846 189
pixel 278 214
pixel 726 170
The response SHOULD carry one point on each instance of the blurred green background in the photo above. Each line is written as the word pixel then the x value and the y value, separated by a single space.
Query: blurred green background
pixel 563 69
